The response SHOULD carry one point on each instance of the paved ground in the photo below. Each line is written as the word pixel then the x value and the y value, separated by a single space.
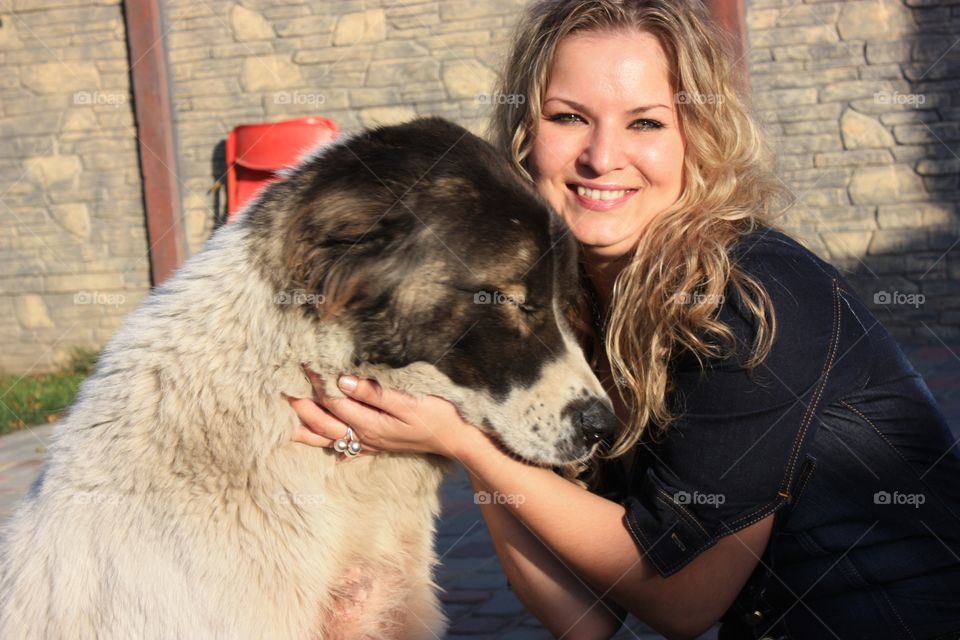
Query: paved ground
pixel 476 598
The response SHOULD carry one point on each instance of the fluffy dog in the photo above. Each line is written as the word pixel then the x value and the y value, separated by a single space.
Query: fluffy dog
pixel 174 504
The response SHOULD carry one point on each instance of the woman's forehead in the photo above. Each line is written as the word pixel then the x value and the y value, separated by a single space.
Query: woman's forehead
pixel 632 65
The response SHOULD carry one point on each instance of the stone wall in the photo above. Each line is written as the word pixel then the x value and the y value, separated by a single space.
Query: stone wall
pixel 358 63
pixel 859 95
pixel 862 98
pixel 73 254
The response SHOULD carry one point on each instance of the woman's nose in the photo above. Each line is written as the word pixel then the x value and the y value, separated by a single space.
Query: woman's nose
pixel 605 151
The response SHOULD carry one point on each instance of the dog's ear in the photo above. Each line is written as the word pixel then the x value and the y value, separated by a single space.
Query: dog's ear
pixel 347 250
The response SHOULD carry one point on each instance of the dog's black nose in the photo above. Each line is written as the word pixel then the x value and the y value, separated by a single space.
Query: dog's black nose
pixel 593 419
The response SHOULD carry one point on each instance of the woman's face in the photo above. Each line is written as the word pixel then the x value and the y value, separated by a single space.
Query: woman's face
pixel 609 151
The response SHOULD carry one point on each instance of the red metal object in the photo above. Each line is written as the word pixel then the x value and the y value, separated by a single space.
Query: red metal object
pixel 729 14
pixel 158 158
pixel 257 152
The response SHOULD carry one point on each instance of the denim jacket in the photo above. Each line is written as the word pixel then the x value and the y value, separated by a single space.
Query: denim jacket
pixel 834 433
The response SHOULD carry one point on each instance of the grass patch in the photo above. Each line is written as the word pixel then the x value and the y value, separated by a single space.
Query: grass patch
pixel 37 399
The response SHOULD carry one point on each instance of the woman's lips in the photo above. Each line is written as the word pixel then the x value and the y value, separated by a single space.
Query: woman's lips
pixel 600 199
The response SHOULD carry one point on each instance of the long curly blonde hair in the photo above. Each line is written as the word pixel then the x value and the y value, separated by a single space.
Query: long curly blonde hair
pixel 666 299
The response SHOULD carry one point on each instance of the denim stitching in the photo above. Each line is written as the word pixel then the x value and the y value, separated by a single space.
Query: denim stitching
pixel 753 518
pixel 824 376
pixel 897 614
pixel 756 515
pixel 645 543
pixel 895 450
pixel 848 565
pixel 806 479
pixel 681 511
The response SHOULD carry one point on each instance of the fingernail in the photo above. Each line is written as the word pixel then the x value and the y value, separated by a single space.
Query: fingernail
pixel 348 383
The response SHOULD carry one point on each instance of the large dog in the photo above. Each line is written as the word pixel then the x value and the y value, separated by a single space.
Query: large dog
pixel 174 504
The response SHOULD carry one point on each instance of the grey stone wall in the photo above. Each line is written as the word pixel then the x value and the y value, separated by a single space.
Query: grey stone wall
pixel 862 98
pixel 358 63
pixel 859 94
pixel 73 254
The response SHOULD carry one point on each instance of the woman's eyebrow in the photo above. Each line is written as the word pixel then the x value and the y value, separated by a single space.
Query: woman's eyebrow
pixel 580 107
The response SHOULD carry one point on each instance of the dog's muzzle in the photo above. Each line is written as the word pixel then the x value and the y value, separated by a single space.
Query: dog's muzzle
pixel 594 420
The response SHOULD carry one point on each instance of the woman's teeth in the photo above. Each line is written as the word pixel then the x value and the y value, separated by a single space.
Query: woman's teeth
pixel 596 194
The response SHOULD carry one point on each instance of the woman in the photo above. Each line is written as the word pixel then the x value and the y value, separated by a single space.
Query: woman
pixel 780 466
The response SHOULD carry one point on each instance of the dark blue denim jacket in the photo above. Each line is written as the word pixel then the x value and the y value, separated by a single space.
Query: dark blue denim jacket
pixel 837 435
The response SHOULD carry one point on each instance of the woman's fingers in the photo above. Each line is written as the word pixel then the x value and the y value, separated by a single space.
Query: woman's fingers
pixel 369 392
pixel 318 427
pixel 303 434
pixel 366 420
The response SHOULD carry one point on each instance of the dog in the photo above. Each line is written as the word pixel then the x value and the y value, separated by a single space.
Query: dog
pixel 174 504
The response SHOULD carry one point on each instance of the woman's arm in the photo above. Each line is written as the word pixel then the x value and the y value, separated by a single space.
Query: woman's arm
pixel 588 535
pixel 585 532
pixel 555 595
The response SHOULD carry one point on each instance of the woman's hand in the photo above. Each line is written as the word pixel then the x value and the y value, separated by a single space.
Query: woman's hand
pixel 381 419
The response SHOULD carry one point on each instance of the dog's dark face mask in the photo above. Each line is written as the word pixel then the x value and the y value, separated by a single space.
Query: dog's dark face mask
pixel 423 245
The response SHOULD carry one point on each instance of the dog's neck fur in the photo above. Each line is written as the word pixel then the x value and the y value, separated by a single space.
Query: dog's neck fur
pixel 163 344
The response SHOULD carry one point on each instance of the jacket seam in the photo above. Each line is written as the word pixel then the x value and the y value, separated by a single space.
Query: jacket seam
pixel 818 393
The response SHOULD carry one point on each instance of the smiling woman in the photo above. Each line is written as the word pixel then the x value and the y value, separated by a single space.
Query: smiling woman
pixel 779 466
pixel 609 148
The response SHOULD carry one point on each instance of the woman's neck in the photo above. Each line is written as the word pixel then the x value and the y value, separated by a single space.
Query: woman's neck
pixel 603 272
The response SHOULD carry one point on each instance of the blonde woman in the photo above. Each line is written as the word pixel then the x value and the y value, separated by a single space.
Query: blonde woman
pixel 780 466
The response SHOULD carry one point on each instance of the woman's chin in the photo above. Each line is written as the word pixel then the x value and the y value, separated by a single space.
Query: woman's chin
pixel 605 243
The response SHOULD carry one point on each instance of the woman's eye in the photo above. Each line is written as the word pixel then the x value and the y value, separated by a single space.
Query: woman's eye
pixel 565 118
pixel 645 123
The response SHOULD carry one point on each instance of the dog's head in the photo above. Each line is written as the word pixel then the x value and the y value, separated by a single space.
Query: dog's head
pixel 444 273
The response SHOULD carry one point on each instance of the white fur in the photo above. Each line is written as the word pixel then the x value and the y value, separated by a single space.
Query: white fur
pixel 174 505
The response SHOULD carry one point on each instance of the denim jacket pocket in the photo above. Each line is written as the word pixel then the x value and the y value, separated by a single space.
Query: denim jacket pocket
pixel 668 532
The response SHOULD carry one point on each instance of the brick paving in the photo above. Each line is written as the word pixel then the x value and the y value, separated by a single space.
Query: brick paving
pixel 476 597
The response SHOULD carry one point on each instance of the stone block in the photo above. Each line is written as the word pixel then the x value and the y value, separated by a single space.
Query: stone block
pixel 846 244
pixel 375 116
pixel 402 73
pixel 74 217
pixel 61 77
pixel 361 27
pixel 52 171
pixel 467 79
pixel 863 132
pixel 886 185
pixel 268 73
pixel 32 312
pixel 875 20
pixel 248 25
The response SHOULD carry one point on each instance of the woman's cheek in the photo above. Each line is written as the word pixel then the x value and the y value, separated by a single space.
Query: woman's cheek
pixel 661 161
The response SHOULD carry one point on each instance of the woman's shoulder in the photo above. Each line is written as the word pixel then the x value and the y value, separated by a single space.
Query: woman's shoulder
pixel 801 286
pixel 773 257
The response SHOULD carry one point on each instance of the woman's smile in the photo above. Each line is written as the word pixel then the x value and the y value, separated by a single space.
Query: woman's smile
pixel 600 197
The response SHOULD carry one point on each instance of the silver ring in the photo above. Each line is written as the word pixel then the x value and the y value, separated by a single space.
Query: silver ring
pixel 348 444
